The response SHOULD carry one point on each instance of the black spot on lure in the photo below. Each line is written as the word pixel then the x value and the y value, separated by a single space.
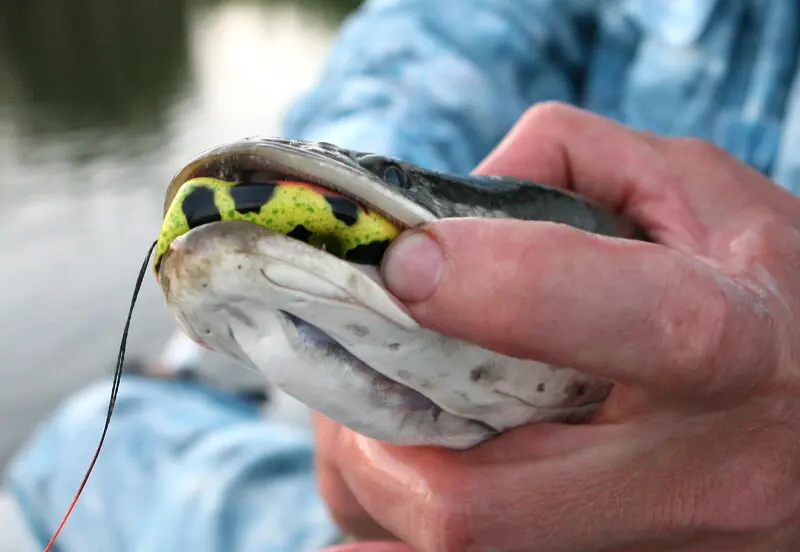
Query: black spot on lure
pixel 313 214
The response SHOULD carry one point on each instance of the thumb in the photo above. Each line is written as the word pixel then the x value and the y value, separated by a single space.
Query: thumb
pixel 628 311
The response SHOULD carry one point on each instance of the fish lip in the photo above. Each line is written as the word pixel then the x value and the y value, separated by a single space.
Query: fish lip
pixel 316 163
pixel 249 236
pixel 323 339
pixel 205 239
pixel 306 331
pixel 414 400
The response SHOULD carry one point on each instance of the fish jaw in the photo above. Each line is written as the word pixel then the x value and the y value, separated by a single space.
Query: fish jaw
pixel 237 312
pixel 271 302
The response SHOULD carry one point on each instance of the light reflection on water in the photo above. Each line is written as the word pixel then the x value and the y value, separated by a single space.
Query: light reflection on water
pixel 88 143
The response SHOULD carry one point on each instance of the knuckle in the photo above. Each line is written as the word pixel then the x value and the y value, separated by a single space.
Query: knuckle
pixel 698 148
pixel 713 324
pixel 550 114
pixel 692 319
pixel 736 351
pixel 768 238
pixel 717 332
pixel 764 252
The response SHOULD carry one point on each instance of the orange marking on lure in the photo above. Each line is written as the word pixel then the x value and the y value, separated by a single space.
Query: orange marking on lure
pixel 321 190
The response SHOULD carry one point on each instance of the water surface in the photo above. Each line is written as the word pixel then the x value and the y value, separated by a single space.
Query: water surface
pixel 100 104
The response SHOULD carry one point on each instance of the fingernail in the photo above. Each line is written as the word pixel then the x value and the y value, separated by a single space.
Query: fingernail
pixel 413 266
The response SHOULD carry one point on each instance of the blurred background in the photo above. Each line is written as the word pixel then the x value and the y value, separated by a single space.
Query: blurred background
pixel 101 102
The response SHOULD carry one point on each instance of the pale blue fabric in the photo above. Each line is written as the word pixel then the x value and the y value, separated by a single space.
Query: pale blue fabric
pixel 439 82
pixel 184 467
pixel 436 82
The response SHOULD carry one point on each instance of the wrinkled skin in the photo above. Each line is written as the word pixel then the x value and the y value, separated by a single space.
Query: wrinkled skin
pixel 697 448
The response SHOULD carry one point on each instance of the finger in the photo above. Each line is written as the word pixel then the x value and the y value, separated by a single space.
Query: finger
pixel 625 487
pixel 345 510
pixel 436 501
pixel 673 188
pixel 628 311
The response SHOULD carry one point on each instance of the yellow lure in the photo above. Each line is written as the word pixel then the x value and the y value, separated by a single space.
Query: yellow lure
pixel 313 214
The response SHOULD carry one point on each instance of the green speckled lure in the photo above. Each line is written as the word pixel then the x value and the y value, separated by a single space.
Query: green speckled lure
pixel 313 214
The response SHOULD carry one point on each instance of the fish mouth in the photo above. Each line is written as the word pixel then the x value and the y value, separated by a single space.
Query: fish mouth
pixel 284 308
pixel 323 328
pixel 316 337
pixel 329 167
pixel 254 168
pixel 343 171
pixel 318 164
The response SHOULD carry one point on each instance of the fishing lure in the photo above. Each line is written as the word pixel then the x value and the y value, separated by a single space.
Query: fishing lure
pixel 313 214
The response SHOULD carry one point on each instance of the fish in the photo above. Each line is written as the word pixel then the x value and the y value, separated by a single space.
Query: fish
pixel 270 252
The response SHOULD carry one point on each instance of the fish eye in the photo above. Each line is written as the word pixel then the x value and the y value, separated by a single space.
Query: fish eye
pixel 372 162
pixel 395 176
pixel 385 168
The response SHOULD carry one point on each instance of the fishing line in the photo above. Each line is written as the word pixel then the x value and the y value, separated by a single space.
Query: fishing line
pixel 112 401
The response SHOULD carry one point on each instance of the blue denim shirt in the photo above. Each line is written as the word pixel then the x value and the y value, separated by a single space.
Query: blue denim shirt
pixel 437 82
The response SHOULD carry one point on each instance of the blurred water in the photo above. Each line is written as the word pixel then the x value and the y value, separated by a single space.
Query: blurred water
pixel 100 103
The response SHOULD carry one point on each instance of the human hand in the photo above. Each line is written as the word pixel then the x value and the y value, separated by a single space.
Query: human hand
pixel 343 506
pixel 697 447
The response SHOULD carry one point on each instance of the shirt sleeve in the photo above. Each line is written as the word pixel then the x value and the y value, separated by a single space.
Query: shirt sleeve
pixel 439 82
